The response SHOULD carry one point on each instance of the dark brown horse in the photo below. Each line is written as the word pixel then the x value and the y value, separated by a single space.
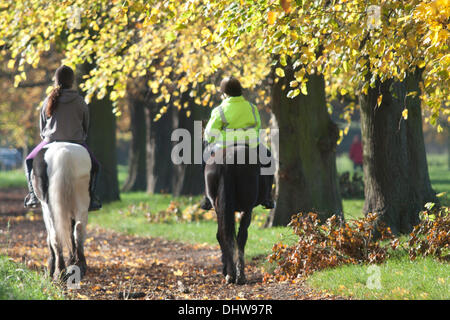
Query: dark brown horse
pixel 232 185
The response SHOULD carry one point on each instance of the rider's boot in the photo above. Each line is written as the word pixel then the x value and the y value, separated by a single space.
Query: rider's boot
pixel 31 201
pixel 267 200
pixel 205 204
pixel 95 203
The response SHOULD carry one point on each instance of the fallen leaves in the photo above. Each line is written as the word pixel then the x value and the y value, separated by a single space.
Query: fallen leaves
pixel 326 245
pixel 178 273
pixel 127 267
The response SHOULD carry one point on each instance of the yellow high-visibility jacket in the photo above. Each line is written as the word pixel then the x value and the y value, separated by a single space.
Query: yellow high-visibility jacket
pixel 234 121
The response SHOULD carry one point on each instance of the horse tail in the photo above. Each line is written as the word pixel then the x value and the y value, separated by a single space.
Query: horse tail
pixel 61 196
pixel 227 203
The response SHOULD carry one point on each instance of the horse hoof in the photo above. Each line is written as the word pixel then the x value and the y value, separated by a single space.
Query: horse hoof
pixel 83 269
pixel 241 280
pixel 229 279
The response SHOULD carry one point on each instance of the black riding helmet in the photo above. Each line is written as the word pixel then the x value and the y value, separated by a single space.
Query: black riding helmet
pixel 231 87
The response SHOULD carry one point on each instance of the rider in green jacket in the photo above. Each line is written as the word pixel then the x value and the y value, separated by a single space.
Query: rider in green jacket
pixel 236 121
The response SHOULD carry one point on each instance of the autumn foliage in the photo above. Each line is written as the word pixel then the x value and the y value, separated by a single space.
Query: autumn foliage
pixel 431 237
pixel 330 244
pixel 177 212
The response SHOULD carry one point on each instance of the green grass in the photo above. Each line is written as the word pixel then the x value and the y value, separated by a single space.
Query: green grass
pixel 343 163
pixel 440 176
pixel 353 208
pixel 13 178
pixel 399 278
pixel 19 283
pixel 122 174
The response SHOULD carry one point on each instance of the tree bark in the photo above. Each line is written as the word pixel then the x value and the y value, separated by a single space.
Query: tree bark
pixel 397 184
pixel 137 167
pixel 188 178
pixel 306 179
pixel 102 141
pixel 158 150
pixel 448 145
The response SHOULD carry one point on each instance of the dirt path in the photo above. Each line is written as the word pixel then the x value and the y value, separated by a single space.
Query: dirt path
pixel 128 267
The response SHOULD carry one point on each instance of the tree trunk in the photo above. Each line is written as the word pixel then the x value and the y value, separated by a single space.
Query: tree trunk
pixel 188 178
pixel 137 168
pixel 306 179
pixel 397 184
pixel 102 142
pixel 448 145
pixel 158 150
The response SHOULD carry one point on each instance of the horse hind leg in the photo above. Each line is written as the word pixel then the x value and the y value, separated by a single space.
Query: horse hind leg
pixel 241 241
pixel 227 241
pixel 79 237
pixel 51 259
pixel 224 262
pixel 48 226
pixel 80 223
pixel 72 257
pixel 57 253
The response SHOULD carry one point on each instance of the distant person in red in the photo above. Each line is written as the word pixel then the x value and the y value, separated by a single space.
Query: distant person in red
pixel 356 152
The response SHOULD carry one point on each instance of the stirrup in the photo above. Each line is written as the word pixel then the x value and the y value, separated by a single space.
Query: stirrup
pixel 94 204
pixel 95 207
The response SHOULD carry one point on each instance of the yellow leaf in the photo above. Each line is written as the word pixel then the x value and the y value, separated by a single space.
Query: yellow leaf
pixel 11 64
pixel 279 72
pixel 17 80
pixel 113 96
pixel 421 64
pixel 271 17
pixel 178 272
pixel 379 99
pixel 365 88
pixel 405 114
pixel 304 89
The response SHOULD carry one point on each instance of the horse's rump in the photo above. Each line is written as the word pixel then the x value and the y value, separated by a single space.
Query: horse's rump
pixel 237 169
pixel 61 175
pixel 232 180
